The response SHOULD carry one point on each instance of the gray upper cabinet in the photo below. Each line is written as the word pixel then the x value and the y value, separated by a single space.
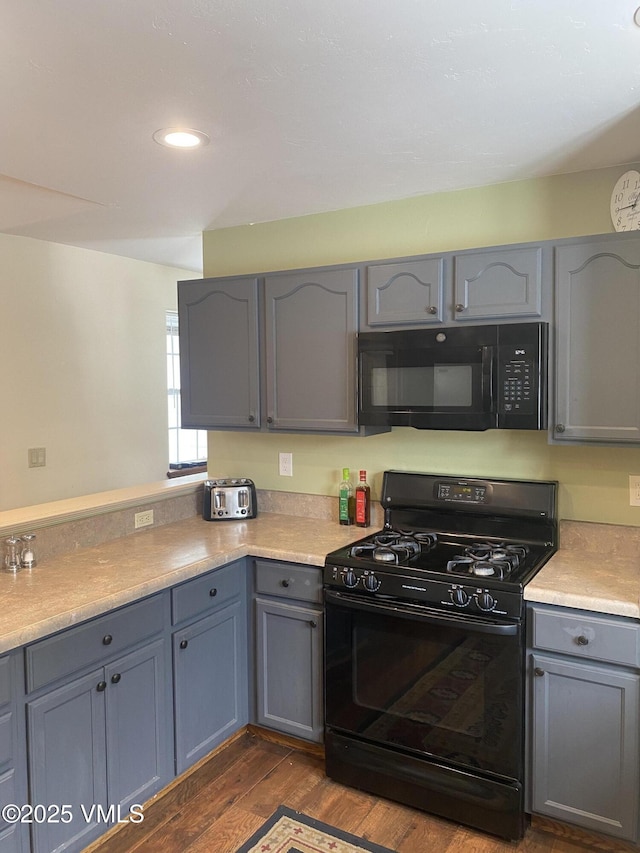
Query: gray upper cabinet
pixel 480 286
pixel 498 284
pixel 598 341
pixel 219 353
pixel 406 293
pixel 311 320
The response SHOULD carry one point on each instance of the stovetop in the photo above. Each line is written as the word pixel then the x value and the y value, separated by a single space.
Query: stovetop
pixel 443 555
pixel 459 544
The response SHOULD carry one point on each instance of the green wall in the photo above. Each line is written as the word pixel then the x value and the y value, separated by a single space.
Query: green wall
pixel 593 480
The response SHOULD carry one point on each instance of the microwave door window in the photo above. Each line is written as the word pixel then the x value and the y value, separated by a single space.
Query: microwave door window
pixel 402 387
pixel 452 386
pixel 437 386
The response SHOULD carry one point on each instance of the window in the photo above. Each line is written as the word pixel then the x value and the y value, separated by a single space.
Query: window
pixel 185 445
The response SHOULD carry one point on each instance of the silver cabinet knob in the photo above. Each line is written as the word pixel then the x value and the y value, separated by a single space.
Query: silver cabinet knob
pixel 431 309
pixel 459 307
pixel 537 671
pixel 560 427
pixel 582 640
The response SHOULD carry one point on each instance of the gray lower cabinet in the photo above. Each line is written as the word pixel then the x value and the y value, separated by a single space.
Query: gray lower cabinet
pixel 584 680
pixel 289 649
pixel 99 738
pixel 210 661
pixel 598 341
pixel 13 789
pixel 311 320
pixel 219 353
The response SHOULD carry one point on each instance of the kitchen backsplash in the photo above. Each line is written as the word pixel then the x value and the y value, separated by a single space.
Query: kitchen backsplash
pixel 87 532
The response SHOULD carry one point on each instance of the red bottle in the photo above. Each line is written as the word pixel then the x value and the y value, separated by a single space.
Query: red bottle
pixel 363 501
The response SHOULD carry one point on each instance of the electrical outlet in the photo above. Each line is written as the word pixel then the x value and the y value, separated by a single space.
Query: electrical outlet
pixel 634 490
pixel 285 461
pixel 143 519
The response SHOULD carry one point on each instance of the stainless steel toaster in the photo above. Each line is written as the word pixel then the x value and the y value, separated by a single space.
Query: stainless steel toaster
pixel 229 500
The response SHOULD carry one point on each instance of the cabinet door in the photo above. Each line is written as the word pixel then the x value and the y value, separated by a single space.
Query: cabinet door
pixel 498 283
pixel 585 761
pixel 407 293
pixel 311 324
pixel 67 761
pixel 598 341
pixel 138 703
pixel 13 836
pixel 289 668
pixel 210 674
pixel 219 353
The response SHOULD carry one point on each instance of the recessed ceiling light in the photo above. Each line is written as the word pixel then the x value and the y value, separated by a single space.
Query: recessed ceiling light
pixel 180 137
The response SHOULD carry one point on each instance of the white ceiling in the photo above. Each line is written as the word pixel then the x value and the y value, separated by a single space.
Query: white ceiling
pixel 311 105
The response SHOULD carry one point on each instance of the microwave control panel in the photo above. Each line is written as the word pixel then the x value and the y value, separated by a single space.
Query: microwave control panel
pixel 522 371
pixel 518 386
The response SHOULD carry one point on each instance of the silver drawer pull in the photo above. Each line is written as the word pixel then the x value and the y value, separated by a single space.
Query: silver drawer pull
pixel 582 640
pixel 537 671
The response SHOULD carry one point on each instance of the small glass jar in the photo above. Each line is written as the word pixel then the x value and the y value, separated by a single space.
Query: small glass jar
pixel 12 551
pixel 28 555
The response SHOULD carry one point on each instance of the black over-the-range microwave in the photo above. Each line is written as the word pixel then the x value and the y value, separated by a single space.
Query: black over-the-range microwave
pixel 462 378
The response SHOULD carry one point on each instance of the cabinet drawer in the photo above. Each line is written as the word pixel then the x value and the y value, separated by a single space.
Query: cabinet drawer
pixel 206 592
pixel 5 680
pixel 289 580
pixel 586 635
pixel 92 642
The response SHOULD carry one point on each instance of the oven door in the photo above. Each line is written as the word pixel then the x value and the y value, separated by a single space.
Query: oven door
pixel 444 687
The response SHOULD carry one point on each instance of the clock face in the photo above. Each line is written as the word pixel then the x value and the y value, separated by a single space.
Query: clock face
pixel 625 202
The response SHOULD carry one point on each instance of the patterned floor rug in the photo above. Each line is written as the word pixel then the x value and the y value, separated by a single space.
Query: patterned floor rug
pixel 288 831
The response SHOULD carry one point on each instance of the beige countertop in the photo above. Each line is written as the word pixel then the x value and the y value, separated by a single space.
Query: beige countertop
pixel 68 589
pixel 597 567
pixel 589 581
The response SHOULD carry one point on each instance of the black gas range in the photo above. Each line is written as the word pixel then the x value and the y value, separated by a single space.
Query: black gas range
pixel 457 544
pixel 425 646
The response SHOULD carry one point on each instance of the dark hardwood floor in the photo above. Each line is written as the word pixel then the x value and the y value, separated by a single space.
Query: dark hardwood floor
pixel 227 798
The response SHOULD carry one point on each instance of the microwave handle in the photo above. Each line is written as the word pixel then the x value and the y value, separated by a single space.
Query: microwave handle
pixel 487 378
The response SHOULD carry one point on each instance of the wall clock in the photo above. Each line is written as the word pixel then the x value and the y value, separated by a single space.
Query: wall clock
pixel 625 202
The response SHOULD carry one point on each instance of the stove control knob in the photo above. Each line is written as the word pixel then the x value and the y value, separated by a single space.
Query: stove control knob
pixel 459 597
pixel 486 601
pixel 371 582
pixel 349 578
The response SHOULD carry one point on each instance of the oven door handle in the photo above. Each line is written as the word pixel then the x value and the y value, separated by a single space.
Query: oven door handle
pixel 420 614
